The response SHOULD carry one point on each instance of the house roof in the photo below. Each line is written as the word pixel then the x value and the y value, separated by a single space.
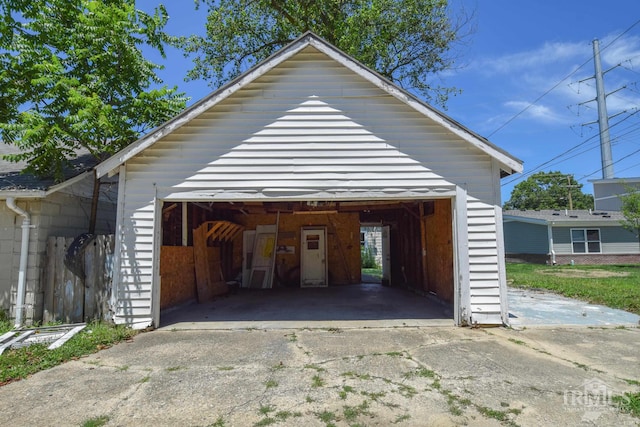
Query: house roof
pixel 509 164
pixel 563 217
pixel 13 182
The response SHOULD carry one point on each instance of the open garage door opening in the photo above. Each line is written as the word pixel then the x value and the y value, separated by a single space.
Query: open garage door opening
pixel 304 260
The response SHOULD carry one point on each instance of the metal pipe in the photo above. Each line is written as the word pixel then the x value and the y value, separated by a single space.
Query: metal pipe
pixel 24 257
pixel 552 251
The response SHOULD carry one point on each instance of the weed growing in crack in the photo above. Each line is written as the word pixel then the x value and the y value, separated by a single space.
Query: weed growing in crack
pixel 373 396
pixel 315 367
pixel 219 423
pixel 352 412
pixel 326 417
pixel 292 337
pixel 407 390
pixel 346 389
pixel 271 384
pixel 401 418
pixel 317 381
pixel 264 410
pixel 96 421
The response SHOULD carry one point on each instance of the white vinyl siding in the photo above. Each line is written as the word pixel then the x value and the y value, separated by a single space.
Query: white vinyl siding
pixel 308 128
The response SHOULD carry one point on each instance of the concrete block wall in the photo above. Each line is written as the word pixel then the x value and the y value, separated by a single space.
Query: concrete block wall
pixel 60 214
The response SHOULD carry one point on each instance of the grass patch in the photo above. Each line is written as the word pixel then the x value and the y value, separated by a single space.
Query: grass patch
pixel 317 381
pixel 351 413
pixel 19 363
pixel 492 413
pixel 265 422
pixel 5 323
pixel 271 384
pixel 326 417
pixel 375 273
pixel 611 285
pixel 402 418
pixel 629 403
pixel 515 341
pixel 96 422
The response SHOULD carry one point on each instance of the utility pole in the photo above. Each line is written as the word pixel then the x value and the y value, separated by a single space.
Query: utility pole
pixel 603 118
pixel 569 186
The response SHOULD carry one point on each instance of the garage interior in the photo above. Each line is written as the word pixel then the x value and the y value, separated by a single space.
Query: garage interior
pixel 223 252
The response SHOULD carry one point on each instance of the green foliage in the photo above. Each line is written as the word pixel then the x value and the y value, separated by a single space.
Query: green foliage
pixel 618 290
pixel 5 322
pixel 367 258
pixel 73 77
pixel 406 41
pixel 629 403
pixel 96 422
pixel 631 211
pixel 19 363
pixel 549 190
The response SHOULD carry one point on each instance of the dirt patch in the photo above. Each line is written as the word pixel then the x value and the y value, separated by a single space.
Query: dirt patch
pixel 583 274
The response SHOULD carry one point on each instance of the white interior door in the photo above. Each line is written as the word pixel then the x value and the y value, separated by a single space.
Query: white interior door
pixel 248 238
pixel 386 257
pixel 313 262
pixel 262 258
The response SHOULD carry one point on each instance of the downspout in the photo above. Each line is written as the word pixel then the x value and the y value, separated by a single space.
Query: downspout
pixel 551 250
pixel 24 256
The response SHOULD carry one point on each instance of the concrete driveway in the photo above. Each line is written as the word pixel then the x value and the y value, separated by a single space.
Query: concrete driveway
pixel 368 376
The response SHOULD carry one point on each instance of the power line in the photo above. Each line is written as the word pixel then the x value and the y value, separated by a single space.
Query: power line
pixel 617 161
pixel 564 153
pixel 559 83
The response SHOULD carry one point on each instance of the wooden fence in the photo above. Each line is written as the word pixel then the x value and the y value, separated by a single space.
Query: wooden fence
pixel 69 298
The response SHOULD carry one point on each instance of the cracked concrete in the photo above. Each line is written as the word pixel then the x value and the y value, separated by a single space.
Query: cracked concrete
pixel 405 376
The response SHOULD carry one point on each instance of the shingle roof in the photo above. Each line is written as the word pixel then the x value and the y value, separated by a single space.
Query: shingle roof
pixel 12 178
pixel 551 215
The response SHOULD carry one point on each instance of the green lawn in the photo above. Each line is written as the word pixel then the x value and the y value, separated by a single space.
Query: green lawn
pixel 616 286
pixel 19 363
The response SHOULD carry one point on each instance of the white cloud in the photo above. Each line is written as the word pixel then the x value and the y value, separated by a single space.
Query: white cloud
pixel 537 112
pixel 549 53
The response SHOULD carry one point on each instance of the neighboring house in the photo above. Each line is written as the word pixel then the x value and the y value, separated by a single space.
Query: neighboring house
pixel 31 210
pixel 569 237
pixel 302 150
pixel 371 242
pixel 607 192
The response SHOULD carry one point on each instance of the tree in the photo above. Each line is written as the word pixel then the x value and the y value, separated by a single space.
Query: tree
pixel 549 190
pixel 406 41
pixel 73 78
pixel 631 211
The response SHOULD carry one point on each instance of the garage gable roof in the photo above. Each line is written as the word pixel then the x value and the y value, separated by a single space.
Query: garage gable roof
pixel 509 163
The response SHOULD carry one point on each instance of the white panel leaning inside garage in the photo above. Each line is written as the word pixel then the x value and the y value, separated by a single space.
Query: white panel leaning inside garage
pixel 309 137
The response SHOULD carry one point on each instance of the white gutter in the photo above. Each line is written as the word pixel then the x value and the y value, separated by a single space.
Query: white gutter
pixel 24 256
pixel 551 250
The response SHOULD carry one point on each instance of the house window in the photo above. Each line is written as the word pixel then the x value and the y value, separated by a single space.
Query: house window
pixel 585 240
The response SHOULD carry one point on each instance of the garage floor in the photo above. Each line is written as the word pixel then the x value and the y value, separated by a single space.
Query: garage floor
pixel 360 305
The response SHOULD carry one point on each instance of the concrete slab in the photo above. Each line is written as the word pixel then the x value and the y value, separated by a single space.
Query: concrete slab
pixel 352 306
pixel 528 307
pixel 440 376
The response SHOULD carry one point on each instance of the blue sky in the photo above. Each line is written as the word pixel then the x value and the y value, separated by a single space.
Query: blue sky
pixel 521 51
